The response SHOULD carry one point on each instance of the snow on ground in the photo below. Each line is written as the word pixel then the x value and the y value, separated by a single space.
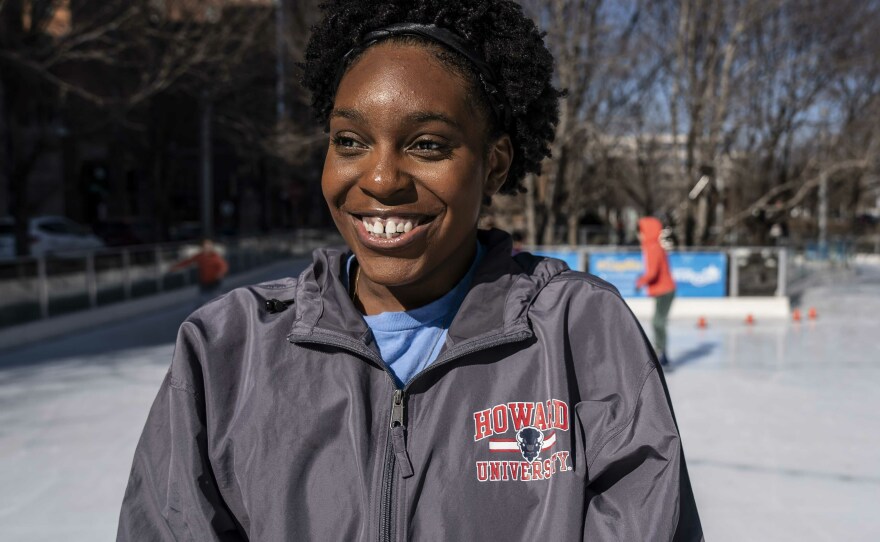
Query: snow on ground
pixel 779 422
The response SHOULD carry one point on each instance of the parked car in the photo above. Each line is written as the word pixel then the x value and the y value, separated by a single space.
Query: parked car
pixel 48 235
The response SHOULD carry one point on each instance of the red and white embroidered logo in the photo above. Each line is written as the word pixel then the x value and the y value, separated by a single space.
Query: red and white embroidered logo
pixel 534 427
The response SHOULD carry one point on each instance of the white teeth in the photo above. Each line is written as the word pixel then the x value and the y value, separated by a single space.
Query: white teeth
pixel 388 228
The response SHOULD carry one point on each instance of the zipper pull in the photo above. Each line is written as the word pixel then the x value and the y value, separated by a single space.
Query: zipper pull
pixel 398 434
pixel 397 410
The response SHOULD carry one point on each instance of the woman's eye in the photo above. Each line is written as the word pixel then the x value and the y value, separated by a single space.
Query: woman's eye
pixel 346 143
pixel 430 148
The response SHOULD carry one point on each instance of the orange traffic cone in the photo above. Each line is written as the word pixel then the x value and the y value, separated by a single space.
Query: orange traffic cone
pixel 701 323
pixel 750 320
pixel 796 315
pixel 813 313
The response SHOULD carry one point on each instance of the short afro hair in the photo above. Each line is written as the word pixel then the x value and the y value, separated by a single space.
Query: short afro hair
pixel 508 40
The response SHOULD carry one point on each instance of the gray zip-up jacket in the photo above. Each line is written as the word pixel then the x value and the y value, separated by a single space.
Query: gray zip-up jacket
pixel 545 417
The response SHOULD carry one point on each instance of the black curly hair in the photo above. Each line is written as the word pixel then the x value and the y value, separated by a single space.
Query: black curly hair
pixel 507 39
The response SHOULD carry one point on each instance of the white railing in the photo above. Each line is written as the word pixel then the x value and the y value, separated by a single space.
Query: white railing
pixel 41 287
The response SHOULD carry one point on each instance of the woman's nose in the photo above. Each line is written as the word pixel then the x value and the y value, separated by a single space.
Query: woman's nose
pixel 386 179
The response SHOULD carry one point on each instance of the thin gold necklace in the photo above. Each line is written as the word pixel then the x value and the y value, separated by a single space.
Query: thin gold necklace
pixel 357 278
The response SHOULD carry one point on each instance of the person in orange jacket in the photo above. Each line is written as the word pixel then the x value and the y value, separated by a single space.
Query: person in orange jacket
pixel 658 279
pixel 211 265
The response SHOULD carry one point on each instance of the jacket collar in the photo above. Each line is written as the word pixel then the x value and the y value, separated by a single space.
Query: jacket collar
pixel 496 305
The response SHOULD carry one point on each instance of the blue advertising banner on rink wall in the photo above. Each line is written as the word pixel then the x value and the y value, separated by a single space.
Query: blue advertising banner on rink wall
pixel 697 274
pixel 621 269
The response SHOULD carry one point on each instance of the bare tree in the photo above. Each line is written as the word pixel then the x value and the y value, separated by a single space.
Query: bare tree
pixel 812 76
pixel 597 46
pixel 113 59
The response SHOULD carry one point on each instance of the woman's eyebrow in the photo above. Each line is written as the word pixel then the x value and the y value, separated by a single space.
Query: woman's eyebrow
pixel 416 117
pixel 350 114
pixel 421 117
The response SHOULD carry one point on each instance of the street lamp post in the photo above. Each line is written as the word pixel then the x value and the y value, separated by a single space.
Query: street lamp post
pixel 280 108
pixel 206 167
pixel 280 90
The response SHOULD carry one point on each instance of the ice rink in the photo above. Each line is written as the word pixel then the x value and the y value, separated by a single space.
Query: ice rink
pixel 779 422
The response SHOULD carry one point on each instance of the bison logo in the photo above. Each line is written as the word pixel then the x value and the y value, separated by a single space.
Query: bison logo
pixel 530 441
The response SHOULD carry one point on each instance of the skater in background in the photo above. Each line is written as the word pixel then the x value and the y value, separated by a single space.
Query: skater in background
pixel 658 279
pixel 212 268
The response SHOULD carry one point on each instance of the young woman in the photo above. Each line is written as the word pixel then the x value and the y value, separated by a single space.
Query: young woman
pixel 423 385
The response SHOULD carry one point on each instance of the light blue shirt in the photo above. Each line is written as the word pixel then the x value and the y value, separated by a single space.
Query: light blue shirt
pixel 411 340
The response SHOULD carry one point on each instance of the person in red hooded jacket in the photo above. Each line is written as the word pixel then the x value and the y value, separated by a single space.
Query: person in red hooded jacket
pixel 212 268
pixel 658 279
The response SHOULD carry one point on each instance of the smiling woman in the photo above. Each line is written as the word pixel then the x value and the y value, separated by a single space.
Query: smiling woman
pixel 407 148
pixel 425 384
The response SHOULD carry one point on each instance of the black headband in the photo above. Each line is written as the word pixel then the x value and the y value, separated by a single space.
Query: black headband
pixel 497 101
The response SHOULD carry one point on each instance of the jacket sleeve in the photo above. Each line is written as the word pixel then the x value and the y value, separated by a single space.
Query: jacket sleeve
pixel 183 263
pixel 638 486
pixel 172 493
pixel 652 268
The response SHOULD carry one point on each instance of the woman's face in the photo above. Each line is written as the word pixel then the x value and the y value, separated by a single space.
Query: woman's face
pixel 408 166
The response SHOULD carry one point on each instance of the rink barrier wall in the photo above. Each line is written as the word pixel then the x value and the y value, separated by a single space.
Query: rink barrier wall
pixel 748 282
pixel 40 330
pixel 59 284
pixel 725 308
pixel 738 271
pixel 762 270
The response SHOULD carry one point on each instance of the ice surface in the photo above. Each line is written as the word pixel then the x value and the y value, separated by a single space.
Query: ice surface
pixel 71 412
pixel 67 434
pixel 779 422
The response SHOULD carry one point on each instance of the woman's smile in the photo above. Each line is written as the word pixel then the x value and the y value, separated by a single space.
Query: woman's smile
pixel 391 231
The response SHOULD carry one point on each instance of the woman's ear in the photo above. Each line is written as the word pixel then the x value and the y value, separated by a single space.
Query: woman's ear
pixel 500 158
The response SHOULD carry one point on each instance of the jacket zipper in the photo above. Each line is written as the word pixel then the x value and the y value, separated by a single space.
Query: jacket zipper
pixel 395 443
pixel 397 433
pixel 396 454
pixel 385 501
